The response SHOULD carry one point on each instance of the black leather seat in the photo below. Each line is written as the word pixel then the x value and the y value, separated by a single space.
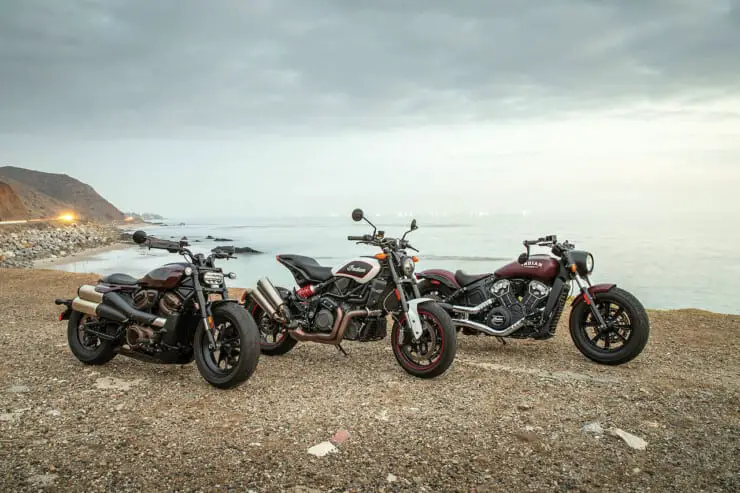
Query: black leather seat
pixel 120 279
pixel 309 266
pixel 464 279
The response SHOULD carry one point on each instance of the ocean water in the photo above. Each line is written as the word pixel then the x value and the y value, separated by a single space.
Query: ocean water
pixel 667 261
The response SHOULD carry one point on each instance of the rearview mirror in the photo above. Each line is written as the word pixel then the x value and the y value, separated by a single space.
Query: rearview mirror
pixel 358 215
pixel 139 237
pixel 414 227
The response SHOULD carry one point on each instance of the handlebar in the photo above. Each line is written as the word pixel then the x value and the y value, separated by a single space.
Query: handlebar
pixel 360 238
pixel 381 241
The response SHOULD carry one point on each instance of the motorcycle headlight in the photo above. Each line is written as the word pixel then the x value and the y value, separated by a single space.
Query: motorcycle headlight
pixel 407 266
pixel 590 263
pixel 213 278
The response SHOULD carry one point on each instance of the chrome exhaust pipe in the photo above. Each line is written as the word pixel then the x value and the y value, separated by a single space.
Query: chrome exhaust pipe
pixel 84 306
pixel 262 302
pixel 469 324
pixel 88 293
pixel 268 290
pixel 468 309
pixel 97 310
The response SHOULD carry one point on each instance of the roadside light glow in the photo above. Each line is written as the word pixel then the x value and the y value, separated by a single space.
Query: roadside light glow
pixel 67 217
pixel 129 219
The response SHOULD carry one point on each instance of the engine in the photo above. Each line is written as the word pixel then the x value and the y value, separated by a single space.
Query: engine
pixel 323 315
pixel 515 300
pixel 150 300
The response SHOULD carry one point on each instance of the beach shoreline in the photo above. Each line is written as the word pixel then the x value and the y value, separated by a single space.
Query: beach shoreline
pixel 80 256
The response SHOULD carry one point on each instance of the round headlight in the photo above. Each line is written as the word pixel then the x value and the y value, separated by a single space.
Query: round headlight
pixel 407 265
pixel 590 263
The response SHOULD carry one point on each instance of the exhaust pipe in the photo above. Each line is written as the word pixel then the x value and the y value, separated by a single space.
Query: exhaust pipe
pixel 270 300
pixel 469 324
pixel 467 309
pixel 98 310
pixel 112 306
pixel 88 293
pixel 268 290
pixel 337 331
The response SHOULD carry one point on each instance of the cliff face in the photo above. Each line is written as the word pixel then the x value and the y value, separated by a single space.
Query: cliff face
pixel 48 194
pixel 11 206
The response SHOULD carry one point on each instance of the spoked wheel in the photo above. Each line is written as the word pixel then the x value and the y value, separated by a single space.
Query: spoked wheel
pixel 235 356
pixel 434 352
pixel 626 333
pixel 88 348
pixel 273 340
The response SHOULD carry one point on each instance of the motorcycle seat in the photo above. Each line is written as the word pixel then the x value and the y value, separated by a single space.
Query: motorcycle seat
pixel 309 266
pixel 464 278
pixel 120 279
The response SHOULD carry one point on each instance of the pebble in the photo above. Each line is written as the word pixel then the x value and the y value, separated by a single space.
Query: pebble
pixel 18 389
pixel 633 441
pixel 323 449
pixel 593 428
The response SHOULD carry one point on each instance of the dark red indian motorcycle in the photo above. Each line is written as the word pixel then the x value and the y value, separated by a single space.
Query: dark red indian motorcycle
pixel 526 298
pixel 169 316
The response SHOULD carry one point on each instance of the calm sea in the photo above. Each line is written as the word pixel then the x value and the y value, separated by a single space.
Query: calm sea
pixel 667 261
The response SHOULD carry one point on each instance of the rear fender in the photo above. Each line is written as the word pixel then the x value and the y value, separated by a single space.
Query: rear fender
pixel 439 276
pixel 592 291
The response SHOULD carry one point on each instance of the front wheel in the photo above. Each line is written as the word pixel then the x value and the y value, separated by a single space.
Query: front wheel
pixel 237 350
pixel 626 334
pixel 434 352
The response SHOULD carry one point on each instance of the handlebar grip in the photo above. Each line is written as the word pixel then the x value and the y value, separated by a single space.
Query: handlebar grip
pixel 355 238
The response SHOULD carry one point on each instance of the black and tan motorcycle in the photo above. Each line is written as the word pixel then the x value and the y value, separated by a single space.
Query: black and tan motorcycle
pixel 176 313
pixel 352 302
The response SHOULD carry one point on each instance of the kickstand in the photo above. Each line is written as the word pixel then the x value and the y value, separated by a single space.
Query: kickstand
pixel 501 340
pixel 339 347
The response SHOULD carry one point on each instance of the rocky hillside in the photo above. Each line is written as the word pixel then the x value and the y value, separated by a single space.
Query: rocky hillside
pixel 11 206
pixel 48 194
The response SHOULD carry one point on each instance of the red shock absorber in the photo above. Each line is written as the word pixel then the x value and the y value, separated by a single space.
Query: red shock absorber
pixel 306 291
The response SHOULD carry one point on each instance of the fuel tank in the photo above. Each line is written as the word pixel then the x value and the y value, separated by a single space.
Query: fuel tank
pixel 359 269
pixel 540 267
pixel 166 277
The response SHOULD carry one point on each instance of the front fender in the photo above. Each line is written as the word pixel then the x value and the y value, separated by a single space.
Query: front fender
pixel 593 290
pixel 413 316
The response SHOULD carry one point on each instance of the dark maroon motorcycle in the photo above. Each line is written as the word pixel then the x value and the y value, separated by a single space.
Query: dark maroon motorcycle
pixel 526 298
pixel 176 313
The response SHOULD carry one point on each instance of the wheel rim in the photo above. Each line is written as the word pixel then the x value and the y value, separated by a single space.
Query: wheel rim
pixel 425 353
pixel 88 341
pixel 618 330
pixel 271 333
pixel 225 357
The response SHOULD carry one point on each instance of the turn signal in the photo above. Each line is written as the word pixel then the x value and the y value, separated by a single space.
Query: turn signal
pixel 415 258
pixel 381 256
pixel 573 268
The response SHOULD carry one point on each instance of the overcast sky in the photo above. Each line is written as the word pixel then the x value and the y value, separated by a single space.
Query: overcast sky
pixel 280 107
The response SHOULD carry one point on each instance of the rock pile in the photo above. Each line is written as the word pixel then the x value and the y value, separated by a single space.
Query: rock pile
pixel 19 247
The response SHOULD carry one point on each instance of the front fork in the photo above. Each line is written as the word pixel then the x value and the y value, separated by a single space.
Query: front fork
pixel 410 307
pixel 205 315
pixel 589 300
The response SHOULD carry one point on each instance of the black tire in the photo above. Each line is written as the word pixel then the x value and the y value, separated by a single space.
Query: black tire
pixel 639 328
pixel 283 342
pixel 240 323
pixel 99 354
pixel 431 315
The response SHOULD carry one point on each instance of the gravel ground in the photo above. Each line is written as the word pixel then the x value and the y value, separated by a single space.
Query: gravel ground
pixel 504 418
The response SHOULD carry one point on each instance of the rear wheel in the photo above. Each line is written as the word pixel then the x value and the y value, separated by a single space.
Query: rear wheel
pixel 435 350
pixel 626 334
pixel 274 341
pixel 237 353
pixel 89 348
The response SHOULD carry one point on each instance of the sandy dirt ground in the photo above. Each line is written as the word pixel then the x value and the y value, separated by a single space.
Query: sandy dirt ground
pixel 527 416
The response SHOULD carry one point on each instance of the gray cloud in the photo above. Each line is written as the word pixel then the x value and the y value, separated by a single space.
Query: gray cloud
pixel 140 67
